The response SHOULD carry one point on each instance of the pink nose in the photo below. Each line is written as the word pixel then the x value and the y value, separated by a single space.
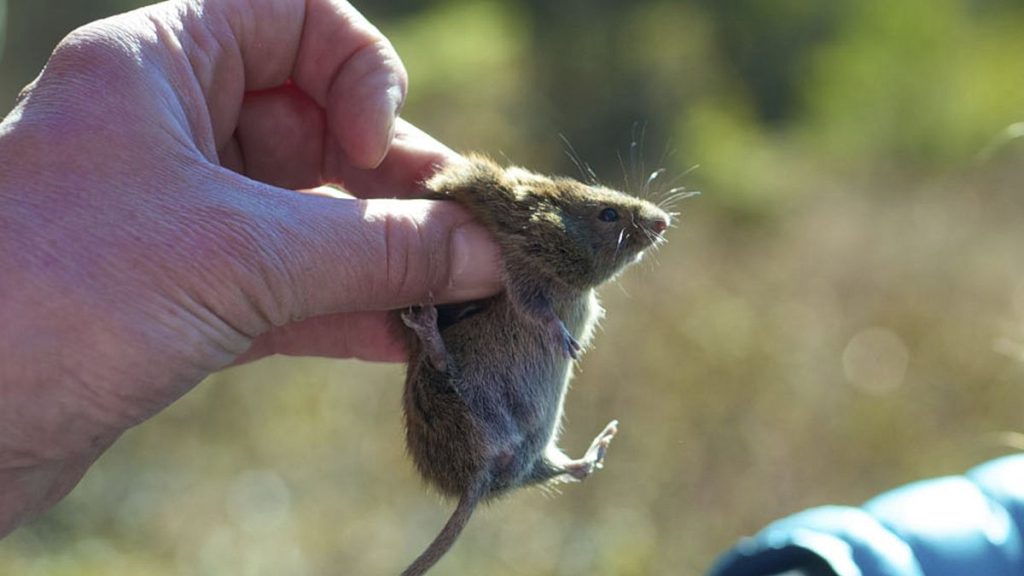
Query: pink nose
pixel 659 226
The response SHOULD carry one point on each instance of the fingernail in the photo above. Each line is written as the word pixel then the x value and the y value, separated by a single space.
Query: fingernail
pixel 396 96
pixel 475 264
pixel 394 99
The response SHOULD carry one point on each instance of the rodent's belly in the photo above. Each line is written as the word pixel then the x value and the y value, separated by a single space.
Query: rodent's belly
pixel 511 373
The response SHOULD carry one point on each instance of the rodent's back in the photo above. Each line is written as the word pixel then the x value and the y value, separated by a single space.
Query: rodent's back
pixel 442 438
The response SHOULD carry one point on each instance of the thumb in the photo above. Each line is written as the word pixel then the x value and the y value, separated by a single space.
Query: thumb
pixel 319 255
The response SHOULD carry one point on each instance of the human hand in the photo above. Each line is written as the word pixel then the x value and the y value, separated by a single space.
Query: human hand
pixel 150 233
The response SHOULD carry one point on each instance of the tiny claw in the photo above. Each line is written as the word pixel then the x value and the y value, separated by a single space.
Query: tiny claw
pixel 603 440
pixel 408 318
pixel 423 321
pixel 421 317
pixel 594 458
pixel 570 347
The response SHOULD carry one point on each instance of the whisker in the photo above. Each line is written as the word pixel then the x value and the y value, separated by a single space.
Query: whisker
pixel 650 180
pixel 679 195
pixel 671 183
pixel 643 140
pixel 689 170
pixel 668 207
pixel 666 152
pixel 585 170
pixel 625 173
pixel 654 255
pixel 638 161
pixel 632 148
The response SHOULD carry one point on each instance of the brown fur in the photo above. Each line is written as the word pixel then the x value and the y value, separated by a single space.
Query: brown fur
pixel 486 380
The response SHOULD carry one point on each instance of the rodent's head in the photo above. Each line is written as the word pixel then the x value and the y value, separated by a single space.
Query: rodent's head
pixel 577 234
pixel 608 229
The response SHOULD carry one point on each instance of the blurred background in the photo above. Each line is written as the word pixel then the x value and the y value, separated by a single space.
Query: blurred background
pixel 841 311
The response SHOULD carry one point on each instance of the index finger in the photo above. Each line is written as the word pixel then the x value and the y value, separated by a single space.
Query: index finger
pixel 325 47
pixel 413 157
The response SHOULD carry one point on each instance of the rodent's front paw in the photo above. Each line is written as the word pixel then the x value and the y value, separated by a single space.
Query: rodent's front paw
pixel 570 347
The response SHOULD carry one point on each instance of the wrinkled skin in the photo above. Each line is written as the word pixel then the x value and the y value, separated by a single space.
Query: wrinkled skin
pixel 151 232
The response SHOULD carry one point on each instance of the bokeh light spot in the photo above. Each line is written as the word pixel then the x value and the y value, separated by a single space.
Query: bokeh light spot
pixel 875 360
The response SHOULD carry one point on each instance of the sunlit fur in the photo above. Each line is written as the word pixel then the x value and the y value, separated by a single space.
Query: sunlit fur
pixel 486 380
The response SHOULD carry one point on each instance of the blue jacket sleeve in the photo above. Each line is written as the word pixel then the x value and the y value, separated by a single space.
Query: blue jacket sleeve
pixel 952 526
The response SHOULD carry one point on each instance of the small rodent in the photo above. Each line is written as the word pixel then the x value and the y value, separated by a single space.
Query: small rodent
pixel 486 380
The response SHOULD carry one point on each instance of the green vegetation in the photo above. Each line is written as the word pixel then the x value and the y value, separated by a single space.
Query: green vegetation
pixel 839 312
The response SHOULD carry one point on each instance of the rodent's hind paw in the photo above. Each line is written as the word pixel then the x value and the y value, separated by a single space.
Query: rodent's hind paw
pixel 418 317
pixel 594 458
pixel 423 321
pixel 599 446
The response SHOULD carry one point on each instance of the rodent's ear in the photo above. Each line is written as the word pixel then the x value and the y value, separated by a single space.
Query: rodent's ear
pixel 476 175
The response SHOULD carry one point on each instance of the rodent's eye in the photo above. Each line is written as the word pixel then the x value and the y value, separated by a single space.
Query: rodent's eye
pixel 609 215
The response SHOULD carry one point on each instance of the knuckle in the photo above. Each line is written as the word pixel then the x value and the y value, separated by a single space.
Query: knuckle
pixel 98 47
pixel 374 63
pixel 401 240
pixel 414 266
pixel 74 90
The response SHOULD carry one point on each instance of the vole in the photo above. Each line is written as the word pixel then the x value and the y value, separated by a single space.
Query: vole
pixel 486 380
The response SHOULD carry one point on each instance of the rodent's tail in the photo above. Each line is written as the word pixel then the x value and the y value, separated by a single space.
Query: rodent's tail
pixel 443 542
